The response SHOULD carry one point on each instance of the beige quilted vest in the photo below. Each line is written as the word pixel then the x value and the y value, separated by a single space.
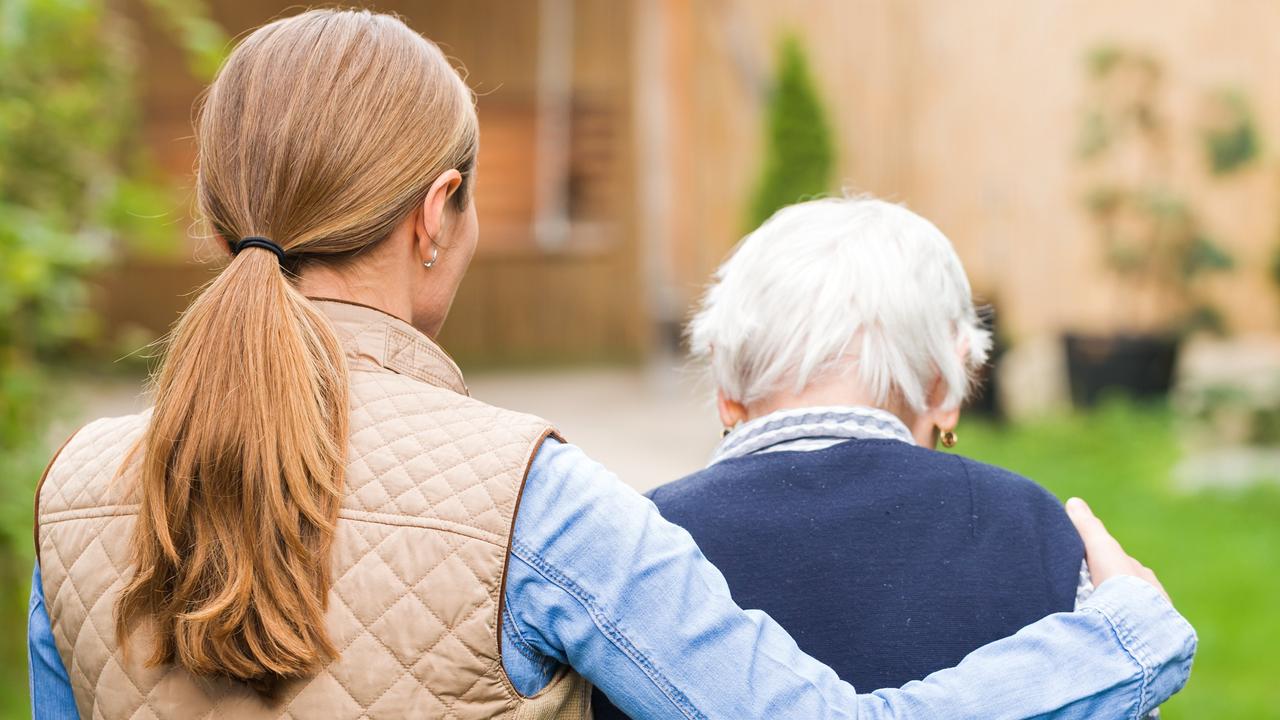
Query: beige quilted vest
pixel 418 565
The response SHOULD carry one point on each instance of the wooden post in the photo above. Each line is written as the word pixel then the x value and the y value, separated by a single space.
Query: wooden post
pixel 553 143
pixel 661 106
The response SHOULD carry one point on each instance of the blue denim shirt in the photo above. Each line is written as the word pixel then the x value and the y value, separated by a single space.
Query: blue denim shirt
pixel 599 581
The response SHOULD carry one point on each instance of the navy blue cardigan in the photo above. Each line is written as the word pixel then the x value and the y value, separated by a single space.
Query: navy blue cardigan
pixel 884 560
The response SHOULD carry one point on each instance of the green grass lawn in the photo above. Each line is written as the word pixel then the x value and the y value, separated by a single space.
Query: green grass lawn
pixel 1217 552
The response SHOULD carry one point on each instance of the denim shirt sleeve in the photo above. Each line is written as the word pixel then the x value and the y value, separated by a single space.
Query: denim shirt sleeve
pixel 599 581
pixel 51 697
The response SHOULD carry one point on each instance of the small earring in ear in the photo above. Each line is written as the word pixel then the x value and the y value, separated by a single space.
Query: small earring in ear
pixel 435 253
pixel 949 438
pixel 725 433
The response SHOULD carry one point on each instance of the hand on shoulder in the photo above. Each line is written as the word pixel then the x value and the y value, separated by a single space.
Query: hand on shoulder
pixel 1105 556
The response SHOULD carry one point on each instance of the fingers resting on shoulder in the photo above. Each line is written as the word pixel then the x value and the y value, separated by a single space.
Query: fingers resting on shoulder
pixel 1105 555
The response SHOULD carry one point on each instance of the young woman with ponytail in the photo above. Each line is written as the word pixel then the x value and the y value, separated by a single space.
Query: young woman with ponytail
pixel 315 520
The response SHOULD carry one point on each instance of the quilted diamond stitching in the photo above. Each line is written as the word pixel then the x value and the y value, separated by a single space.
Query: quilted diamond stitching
pixel 409 591
pixel 416 451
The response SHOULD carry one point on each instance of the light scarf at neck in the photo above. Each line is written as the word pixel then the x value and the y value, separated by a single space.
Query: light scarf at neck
pixel 812 428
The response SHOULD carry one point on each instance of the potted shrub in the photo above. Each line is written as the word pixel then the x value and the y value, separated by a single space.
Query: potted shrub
pixel 1153 242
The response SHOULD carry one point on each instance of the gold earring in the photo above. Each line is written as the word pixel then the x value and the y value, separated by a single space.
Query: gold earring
pixel 435 253
pixel 949 438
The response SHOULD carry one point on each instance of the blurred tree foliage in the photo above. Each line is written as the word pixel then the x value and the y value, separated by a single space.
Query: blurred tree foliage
pixel 799 152
pixel 75 186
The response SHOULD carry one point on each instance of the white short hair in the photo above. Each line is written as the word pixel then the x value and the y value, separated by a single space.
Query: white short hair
pixel 840 284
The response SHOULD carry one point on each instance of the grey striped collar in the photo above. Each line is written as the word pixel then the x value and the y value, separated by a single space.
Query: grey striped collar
pixel 812 428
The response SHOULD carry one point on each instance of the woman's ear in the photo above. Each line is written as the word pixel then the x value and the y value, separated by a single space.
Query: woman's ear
pixel 947 420
pixel 938 416
pixel 732 412
pixel 430 225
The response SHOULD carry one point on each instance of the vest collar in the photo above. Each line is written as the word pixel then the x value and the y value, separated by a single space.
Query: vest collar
pixel 369 335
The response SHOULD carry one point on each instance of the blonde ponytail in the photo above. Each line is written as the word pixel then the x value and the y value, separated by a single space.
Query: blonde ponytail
pixel 322 132
pixel 242 480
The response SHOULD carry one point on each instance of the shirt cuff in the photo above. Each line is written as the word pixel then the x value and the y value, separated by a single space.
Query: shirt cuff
pixel 1151 631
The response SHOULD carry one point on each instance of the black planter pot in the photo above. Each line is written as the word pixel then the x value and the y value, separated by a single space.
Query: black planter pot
pixel 986 398
pixel 1138 366
pixel 985 401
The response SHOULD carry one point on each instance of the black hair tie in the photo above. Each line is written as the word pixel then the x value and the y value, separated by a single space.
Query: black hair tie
pixel 259 242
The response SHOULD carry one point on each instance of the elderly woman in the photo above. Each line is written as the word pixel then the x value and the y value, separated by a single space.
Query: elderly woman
pixel 842 339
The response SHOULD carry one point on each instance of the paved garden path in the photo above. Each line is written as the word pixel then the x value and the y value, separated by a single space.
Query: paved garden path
pixel 648 425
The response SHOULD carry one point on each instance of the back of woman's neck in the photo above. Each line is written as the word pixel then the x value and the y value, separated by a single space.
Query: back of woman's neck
pixel 320 281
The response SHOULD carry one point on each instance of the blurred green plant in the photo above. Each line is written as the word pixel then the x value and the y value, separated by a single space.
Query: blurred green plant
pixel 203 41
pixel 1242 411
pixel 1231 139
pixel 799 153
pixel 76 187
pixel 1275 267
pixel 1151 236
